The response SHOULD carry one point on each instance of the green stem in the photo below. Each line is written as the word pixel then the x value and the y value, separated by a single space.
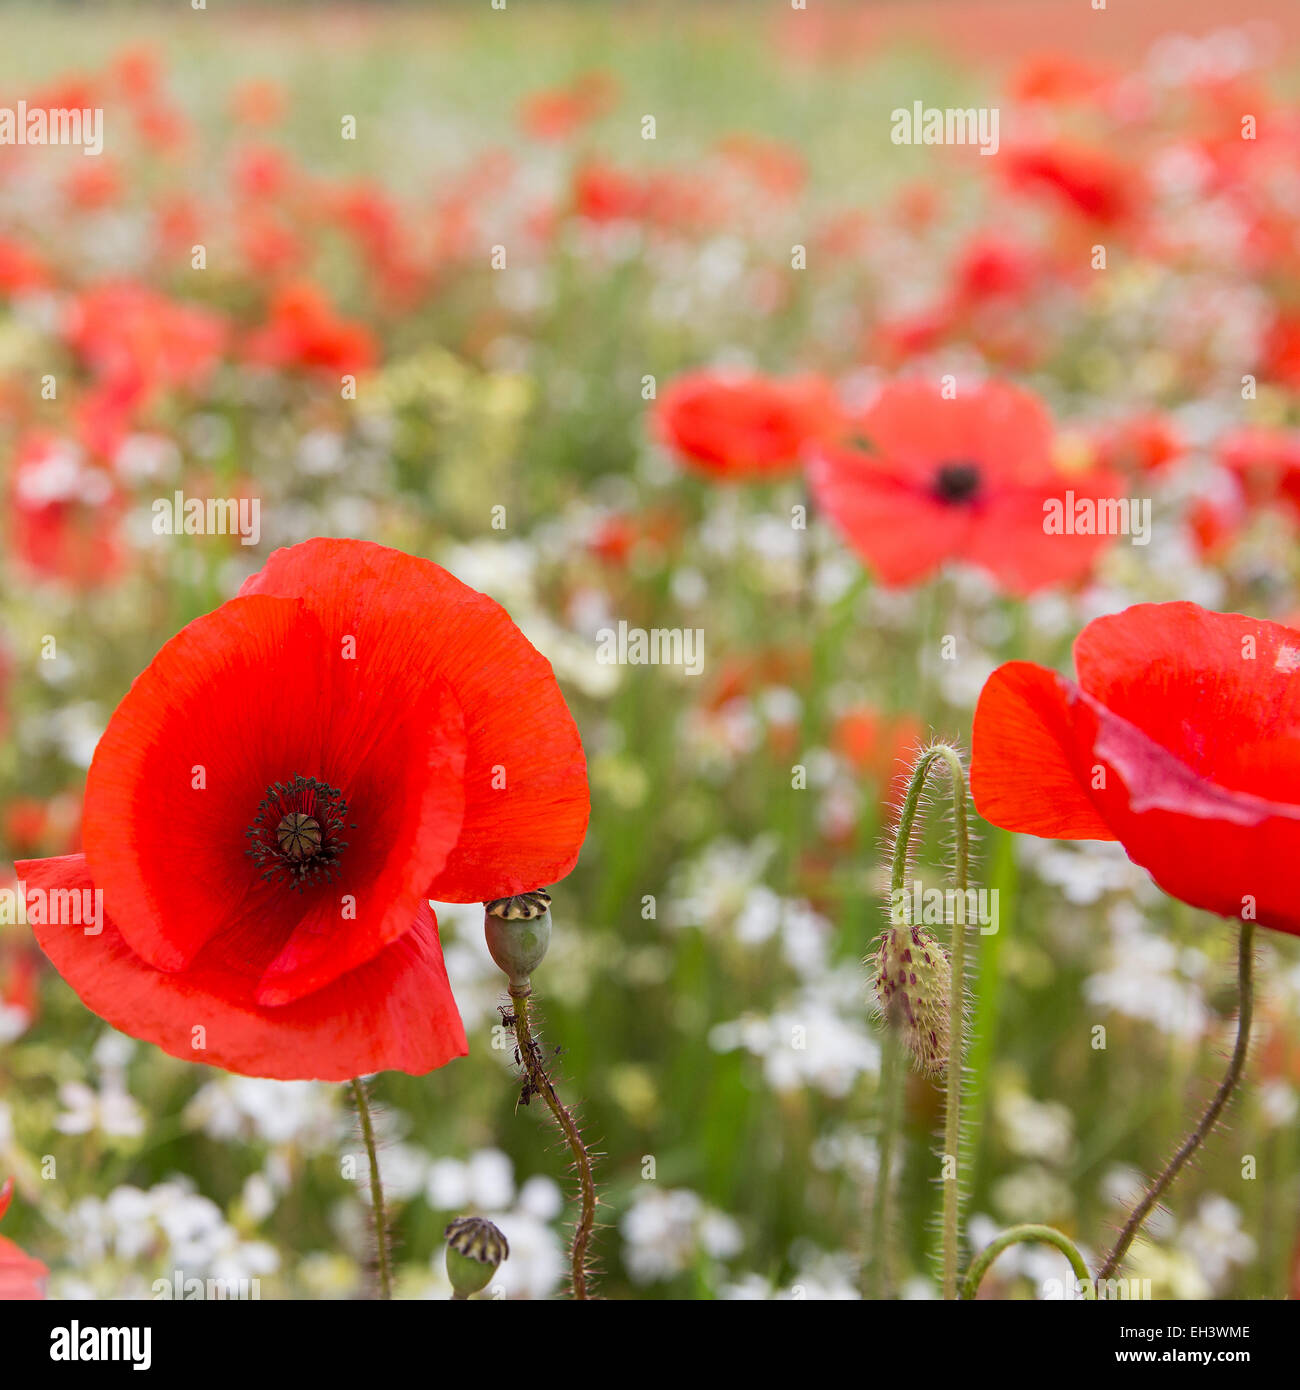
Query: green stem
pixel 889 1093
pixel 530 1057
pixel 1245 1010
pixel 1041 1235
pixel 376 1189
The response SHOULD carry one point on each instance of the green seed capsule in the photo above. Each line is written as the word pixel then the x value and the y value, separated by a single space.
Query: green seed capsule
pixel 475 1251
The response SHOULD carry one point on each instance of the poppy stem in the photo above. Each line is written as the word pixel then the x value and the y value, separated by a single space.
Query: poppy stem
pixel 889 1095
pixel 376 1188
pixel 943 752
pixel 1245 1010
pixel 1042 1235
pixel 530 1057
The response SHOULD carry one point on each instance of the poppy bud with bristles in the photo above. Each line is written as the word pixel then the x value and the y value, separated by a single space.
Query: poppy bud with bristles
pixel 518 932
pixel 914 986
pixel 475 1250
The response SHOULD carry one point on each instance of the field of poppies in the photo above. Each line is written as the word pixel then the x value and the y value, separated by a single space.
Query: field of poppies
pixel 868 413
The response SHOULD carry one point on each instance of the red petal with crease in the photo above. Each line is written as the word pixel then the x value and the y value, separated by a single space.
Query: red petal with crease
pixel 1182 741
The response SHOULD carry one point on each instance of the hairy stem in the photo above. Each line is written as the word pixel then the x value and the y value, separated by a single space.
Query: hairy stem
pixel 889 1094
pixel 530 1057
pixel 1245 1009
pixel 376 1189
pixel 942 752
pixel 1041 1235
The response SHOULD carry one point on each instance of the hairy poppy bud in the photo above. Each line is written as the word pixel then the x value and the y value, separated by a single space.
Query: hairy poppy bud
pixel 914 986
pixel 518 933
pixel 475 1250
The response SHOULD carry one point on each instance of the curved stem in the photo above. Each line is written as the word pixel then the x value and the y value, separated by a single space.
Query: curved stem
pixel 376 1189
pixel 957 1002
pixel 1041 1235
pixel 1245 1009
pixel 530 1057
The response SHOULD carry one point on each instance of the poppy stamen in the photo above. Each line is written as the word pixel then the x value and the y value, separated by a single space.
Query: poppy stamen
pixel 297 833
pixel 957 480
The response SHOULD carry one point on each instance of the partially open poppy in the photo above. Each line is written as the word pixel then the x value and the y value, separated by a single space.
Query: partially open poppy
pixel 281 792
pixel 966 478
pixel 1181 740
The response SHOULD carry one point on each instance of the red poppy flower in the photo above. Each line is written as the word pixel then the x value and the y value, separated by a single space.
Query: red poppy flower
pixel 21 270
pixel 745 426
pixel 962 479
pixel 880 746
pixel 138 342
pixel 1266 462
pixel 559 112
pixel 1181 740
pixel 282 790
pixel 303 330
pixel 1090 182
pixel 64 513
pixel 603 193
pixel 1145 443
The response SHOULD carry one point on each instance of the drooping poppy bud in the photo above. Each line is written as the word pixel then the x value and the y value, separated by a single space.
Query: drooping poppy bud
pixel 914 986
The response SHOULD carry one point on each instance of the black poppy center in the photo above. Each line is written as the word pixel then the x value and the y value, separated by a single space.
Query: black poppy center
pixel 296 837
pixel 957 480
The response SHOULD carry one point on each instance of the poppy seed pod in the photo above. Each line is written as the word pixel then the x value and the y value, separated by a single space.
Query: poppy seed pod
pixel 914 986
pixel 475 1251
pixel 518 932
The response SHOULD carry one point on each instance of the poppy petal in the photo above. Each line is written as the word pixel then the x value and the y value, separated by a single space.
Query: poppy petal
pixel 901 532
pixel 252 694
pixel 526 796
pixel 1026 769
pixel 1221 691
pixel 220 711
pixel 396 1012
pixel 408 813
pixel 1038 558
pixel 1223 850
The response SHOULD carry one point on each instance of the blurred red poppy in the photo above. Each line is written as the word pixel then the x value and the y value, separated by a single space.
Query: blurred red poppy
pixel 967 478
pixel 559 112
pixel 1266 462
pixel 64 513
pixel 304 331
pixel 1181 740
pixel 745 426
pixel 1088 181
pixel 282 790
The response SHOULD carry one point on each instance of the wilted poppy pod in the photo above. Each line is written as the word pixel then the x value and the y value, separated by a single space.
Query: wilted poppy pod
pixel 1180 739
pixel 266 879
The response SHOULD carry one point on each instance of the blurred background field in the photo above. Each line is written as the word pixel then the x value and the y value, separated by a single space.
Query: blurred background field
pixel 705 983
